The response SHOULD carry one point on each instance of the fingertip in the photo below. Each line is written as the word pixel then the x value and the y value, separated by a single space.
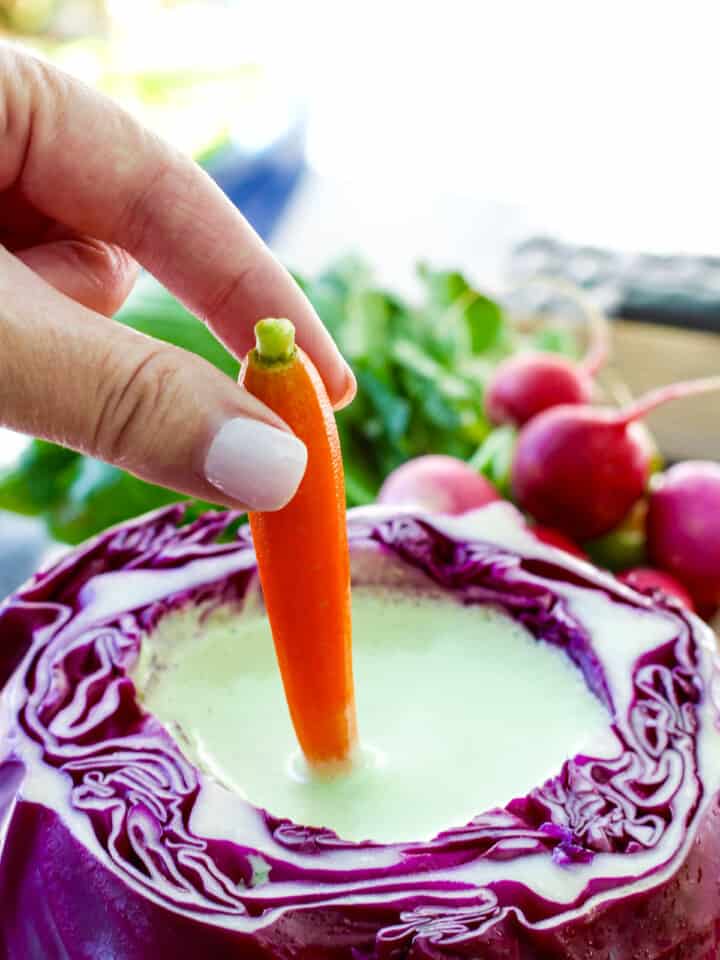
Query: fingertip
pixel 104 274
pixel 348 389
pixel 123 272
pixel 96 275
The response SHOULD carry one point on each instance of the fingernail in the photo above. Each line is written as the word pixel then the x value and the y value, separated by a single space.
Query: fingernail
pixel 256 464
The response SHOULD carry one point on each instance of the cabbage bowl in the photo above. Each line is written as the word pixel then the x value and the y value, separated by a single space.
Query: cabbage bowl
pixel 117 843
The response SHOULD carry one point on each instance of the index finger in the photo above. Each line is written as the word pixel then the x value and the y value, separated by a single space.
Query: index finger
pixel 83 161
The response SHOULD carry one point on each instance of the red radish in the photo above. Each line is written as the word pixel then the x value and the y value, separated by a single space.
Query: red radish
pixel 556 539
pixel 647 580
pixel 683 528
pixel 581 468
pixel 438 484
pixel 528 383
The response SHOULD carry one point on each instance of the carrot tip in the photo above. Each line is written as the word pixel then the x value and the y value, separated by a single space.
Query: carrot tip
pixel 274 340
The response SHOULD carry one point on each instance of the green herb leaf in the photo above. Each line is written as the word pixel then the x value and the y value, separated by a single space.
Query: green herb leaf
pixel 484 319
pixel 153 311
pixel 494 457
pixel 623 547
pixel 100 496
pixel 39 479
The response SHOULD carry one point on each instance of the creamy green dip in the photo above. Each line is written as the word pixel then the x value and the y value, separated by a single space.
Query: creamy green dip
pixel 459 710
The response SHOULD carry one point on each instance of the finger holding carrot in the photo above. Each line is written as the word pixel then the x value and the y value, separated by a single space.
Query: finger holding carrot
pixel 87 196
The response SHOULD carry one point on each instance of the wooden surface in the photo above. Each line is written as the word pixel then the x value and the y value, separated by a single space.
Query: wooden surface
pixel 647 356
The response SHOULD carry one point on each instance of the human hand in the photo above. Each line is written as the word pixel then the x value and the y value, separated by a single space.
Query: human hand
pixel 85 195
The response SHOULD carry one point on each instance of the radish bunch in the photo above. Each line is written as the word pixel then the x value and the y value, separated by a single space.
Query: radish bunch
pixel 579 471
pixel 582 475
pixel 581 468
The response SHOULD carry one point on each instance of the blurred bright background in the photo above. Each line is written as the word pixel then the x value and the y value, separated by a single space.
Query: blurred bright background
pixel 444 130
pixel 459 133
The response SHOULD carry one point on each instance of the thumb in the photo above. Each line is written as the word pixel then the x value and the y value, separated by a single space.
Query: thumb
pixel 70 375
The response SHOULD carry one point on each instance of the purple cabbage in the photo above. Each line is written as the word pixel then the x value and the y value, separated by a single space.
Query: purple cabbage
pixel 112 845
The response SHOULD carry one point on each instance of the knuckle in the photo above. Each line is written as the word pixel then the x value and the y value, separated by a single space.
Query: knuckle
pixel 223 297
pixel 136 219
pixel 138 403
pixel 48 86
pixel 34 96
pixel 7 77
pixel 18 91
pixel 248 276
pixel 163 176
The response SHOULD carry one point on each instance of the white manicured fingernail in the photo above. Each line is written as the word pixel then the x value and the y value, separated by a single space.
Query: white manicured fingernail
pixel 256 464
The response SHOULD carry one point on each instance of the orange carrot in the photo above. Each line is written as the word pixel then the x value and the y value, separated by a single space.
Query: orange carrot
pixel 302 554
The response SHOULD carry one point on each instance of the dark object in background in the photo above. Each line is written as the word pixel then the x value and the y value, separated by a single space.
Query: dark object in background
pixel 666 312
pixel 676 291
